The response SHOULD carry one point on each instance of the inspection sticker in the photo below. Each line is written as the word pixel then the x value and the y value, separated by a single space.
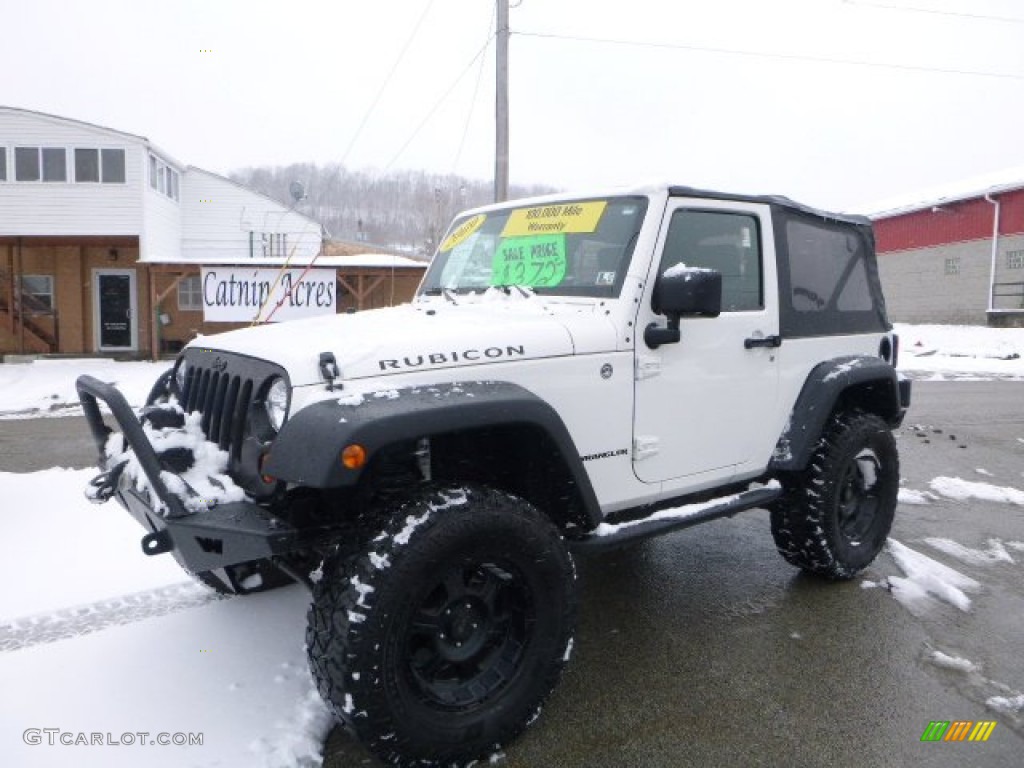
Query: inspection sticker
pixel 537 261
pixel 565 217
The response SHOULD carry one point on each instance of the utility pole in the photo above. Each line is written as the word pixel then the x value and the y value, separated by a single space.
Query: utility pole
pixel 501 104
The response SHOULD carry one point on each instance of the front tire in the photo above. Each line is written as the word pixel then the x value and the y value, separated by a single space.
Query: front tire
pixel 835 515
pixel 441 642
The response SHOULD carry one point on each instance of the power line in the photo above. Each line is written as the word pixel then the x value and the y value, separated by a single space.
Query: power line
pixel 476 89
pixel 439 102
pixel 933 11
pixel 767 55
pixel 387 80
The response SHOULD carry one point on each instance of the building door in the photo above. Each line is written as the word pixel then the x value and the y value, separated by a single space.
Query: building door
pixel 114 310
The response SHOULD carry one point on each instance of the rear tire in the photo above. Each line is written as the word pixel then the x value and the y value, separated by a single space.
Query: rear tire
pixel 835 515
pixel 443 639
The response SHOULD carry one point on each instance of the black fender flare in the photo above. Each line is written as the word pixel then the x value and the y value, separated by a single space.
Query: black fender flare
pixel 307 451
pixel 879 389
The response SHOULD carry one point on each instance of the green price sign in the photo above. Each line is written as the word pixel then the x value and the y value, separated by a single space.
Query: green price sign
pixel 537 261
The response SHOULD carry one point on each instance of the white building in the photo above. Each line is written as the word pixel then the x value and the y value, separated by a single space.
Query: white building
pixel 102 233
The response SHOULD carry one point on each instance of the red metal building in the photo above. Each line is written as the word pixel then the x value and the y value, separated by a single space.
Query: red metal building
pixel 956 256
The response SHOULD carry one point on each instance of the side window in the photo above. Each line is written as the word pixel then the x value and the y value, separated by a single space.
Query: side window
pixel 827 270
pixel 729 243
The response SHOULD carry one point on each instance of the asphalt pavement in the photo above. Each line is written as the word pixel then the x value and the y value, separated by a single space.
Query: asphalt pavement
pixel 704 648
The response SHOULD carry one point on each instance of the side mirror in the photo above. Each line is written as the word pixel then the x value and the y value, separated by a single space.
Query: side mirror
pixel 683 291
pixel 688 291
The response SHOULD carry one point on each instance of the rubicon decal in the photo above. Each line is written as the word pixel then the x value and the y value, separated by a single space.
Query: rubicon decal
pixel 487 354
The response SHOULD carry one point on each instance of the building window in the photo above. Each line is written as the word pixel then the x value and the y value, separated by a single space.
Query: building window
pixel 112 163
pixel 1015 259
pixel 268 245
pixel 26 163
pixel 190 294
pixel 90 162
pixel 55 164
pixel 163 178
pixel 3 163
pixel 38 292
pixel 35 163
pixel 87 165
pixel 952 265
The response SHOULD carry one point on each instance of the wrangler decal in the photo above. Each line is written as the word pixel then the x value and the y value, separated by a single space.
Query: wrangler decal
pixel 605 455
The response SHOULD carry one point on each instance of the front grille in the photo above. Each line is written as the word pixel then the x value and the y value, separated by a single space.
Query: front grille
pixel 223 388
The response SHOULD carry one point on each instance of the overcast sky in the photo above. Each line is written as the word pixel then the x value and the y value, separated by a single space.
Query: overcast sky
pixel 728 94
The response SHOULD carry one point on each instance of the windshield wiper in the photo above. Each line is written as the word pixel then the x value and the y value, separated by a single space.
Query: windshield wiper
pixel 524 290
pixel 448 293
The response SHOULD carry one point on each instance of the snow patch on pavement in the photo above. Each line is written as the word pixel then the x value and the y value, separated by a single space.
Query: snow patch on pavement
pixel 1009 705
pixel 956 663
pixel 996 552
pixel 962 490
pixel 909 496
pixel 926 579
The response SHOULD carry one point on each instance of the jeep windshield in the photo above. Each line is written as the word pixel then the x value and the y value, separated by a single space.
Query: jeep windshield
pixel 571 248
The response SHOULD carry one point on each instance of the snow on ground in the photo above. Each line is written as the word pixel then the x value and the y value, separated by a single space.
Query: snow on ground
pixel 926 579
pixel 996 552
pixel 909 496
pixel 956 663
pixel 60 550
pixel 962 490
pixel 91 657
pixel 47 387
pixel 961 352
pixel 1006 704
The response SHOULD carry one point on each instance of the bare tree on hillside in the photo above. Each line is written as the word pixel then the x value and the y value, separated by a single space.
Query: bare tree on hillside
pixel 404 210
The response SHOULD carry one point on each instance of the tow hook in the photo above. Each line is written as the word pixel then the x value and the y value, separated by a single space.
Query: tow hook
pixel 102 487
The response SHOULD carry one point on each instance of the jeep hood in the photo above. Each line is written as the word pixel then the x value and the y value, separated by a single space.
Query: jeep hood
pixel 417 338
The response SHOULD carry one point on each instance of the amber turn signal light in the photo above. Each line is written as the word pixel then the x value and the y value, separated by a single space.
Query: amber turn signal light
pixel 353 456
pixel 268 479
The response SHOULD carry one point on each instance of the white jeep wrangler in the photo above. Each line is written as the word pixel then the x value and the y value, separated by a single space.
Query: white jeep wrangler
pixel 575 372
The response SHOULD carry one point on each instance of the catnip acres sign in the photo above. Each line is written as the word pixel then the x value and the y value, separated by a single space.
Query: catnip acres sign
pixel 243 295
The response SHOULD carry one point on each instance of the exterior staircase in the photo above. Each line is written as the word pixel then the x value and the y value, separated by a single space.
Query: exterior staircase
pixel 23 327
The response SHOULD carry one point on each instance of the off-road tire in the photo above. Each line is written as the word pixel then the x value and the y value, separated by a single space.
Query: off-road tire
pixel 441 641
pixel 835 515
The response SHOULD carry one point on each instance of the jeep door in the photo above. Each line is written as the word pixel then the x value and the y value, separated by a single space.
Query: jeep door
pixel 705 406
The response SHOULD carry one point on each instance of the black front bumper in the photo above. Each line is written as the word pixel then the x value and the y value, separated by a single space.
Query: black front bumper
pixel 225 535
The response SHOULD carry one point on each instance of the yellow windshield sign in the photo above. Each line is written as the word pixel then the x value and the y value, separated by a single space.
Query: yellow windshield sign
pixel 462 232
pixel 563 218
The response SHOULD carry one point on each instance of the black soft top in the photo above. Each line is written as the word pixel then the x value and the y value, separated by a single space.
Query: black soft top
pixel 773 200
pixel 828 273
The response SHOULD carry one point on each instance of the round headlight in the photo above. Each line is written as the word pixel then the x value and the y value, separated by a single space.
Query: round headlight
pixel 276 403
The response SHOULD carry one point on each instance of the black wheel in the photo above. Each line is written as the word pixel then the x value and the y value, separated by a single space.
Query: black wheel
pixel 835 515
pixel 441 642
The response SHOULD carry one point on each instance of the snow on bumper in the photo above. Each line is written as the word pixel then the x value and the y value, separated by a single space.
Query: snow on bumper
pixel 204 530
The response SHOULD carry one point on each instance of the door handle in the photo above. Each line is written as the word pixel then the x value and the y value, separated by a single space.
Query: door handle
pixel 766 341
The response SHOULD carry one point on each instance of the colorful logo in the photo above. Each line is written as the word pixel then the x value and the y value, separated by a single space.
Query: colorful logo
pixel 958 730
